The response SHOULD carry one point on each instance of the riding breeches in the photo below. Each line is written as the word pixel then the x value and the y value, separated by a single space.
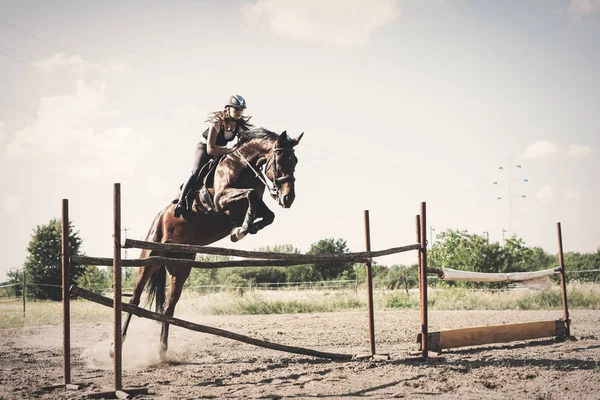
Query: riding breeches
pixel 201 157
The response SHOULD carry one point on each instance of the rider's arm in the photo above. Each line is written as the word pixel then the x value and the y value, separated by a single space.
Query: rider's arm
pixel 211 142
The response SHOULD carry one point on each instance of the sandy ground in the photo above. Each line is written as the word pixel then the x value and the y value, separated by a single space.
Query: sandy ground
pixel 203 366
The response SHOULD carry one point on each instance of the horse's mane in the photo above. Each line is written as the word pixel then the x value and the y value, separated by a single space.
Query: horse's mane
pixel 258 134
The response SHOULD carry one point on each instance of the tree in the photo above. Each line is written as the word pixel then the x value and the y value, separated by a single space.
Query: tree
pixel 470 252
pixel 333 269
pixel 467 252
pixel 43 264
pixel 95 279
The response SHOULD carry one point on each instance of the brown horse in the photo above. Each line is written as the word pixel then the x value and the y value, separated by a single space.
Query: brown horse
pixel 239 209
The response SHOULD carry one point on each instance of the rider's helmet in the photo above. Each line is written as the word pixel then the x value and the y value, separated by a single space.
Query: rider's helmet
pixel 235 100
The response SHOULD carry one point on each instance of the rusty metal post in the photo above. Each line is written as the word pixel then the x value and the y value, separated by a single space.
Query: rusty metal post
pixel 370 285
pixel 66 283
pixel 117 287
pixel 23 291
pixel 423 275
pixel 563 281
pixel 418 225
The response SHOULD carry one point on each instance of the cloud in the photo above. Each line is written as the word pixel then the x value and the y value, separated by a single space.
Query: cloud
pixel 60 61
pixel 572 194
pixel 541 149
pixel 579 151
pixel 77 65
pixel 77 135
pixel 580 9
pixel 545 194
pixel 544 149
pixel 116 66
pixel 11 204
pixel 343 23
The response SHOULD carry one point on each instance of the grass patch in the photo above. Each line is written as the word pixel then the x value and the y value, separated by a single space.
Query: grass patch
pixel 259 303
pixel 313 301
pixel 50 313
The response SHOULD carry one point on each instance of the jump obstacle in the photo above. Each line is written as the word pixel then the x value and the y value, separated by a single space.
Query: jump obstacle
pixel 435 341
pixel 267 259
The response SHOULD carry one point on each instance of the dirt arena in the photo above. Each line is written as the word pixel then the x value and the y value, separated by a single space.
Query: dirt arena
pixel 201 366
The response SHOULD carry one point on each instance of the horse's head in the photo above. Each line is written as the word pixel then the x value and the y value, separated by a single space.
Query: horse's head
pixel 280 168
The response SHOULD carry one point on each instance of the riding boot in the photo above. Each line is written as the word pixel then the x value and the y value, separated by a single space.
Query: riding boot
pixel 185 190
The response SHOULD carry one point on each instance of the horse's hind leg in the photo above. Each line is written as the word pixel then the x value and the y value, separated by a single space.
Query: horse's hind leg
pixel 144 274
pixel 178 277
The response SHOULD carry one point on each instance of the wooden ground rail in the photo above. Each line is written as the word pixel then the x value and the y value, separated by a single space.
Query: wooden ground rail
pixel 475 336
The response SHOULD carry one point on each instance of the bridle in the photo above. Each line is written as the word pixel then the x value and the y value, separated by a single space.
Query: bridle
pixel 274 185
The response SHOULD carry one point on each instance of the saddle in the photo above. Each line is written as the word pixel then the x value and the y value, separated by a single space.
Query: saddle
pixel 200 199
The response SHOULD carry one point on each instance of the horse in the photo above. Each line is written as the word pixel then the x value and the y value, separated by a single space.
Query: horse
pixel 239 185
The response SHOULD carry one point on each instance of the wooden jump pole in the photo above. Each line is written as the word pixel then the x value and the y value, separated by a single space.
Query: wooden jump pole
pixel 118 364
pixel 143 313
pixel 563 281
pixel 66 282
pixel 301 258
pixel 369 272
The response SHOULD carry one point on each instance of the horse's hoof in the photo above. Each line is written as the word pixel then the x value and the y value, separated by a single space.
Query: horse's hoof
pixel 162 355
pixel 237 234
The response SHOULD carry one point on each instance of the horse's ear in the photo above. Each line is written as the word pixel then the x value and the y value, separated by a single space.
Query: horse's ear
pixel 282 138
pixel 297 140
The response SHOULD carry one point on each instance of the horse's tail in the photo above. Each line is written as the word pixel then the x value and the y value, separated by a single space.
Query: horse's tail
pixel 156 284
pixel 156 289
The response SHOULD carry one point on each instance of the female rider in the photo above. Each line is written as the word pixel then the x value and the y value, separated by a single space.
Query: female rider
pixel 224 127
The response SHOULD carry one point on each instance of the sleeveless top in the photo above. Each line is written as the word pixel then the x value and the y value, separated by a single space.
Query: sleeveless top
pixel 223 137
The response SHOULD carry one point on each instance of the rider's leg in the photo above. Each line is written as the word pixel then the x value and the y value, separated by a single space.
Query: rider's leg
pixel 201 157
pixel 187 187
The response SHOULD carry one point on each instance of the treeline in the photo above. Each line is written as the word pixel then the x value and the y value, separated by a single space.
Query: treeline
pixel 452 249
pixel 471 252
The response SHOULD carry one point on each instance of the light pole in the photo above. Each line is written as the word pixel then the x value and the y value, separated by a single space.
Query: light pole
pixel 125 236
pixel 509 169
pixel 503 232
pixel 431 230
pixel 487 236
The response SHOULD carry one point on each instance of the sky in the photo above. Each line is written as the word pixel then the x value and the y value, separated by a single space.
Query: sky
pixel 400 102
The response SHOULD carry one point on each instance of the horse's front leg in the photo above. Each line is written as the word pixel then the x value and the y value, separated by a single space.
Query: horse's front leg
pixel 144 275
pixel 264 216
pixel 248 226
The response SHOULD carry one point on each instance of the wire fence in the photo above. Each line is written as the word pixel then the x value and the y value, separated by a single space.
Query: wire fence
pixel 13 291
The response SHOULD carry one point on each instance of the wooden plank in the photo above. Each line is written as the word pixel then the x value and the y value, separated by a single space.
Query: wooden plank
pixel 186 248
pixel 177 262
pixel 126 393
pixel 494 334
pixel 143 313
